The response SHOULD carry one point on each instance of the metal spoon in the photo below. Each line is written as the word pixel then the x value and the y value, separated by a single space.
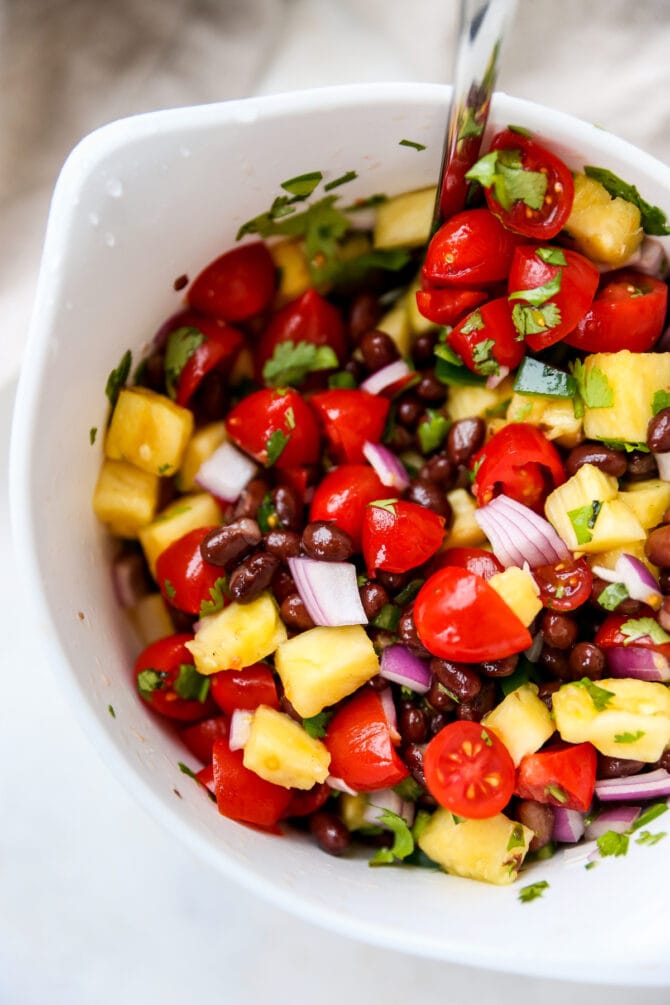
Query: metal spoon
pixel 483 24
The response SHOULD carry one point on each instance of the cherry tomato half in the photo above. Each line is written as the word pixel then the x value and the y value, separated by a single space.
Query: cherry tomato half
pixel 565 585
pixel 247 688
pixel 470 249
pixel 358 738
pixel 520 462
pixel 482 563
pixel 487 340
pixel 277 427
pixel 185 579
pixel 448 306
pixel 399 535
pixel 200 737
pixel 309 318
pixel 342 496
pixel 610 634
pixel 560 775
pixel 349 419
pixel 158 670
pixel 236 285
pixel 627 313
pixel 469 770
pixel 220 343
pixel 242 794
pixel 458 616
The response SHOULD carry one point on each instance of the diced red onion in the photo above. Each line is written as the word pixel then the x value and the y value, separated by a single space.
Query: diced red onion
pixel 402 667
pixel 130 579
pixel 518 534
pixel 240 727
pixel 585 852
pixel 646 785
pixel 340 785
pixel 635 576
pixel 663 463
pixel 226 472
pixel 387 465
pixel 568 825
pixel 387 378
pixel 497 378
pixel 329 591
pixel 638 662
pixel 617 818
pixel 386 698
pixel 387 799
pixel 649 258
pixel 533 651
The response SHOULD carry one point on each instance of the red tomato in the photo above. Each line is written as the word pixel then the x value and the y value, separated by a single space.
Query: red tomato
pixel 399 535
pixel 236 285
pixel 247 688
pixel 206 777
pixel 448 306
pixel 486 339
pixel 157 670
pixel 547 221
pixel 520 462
pixel 185 579
pixel 560 775
pixel 359 741
pixel 627 313
pixel 221 344
pixel 575 284
pixel 343 495
pixel 309 318
pixel 469 770
pixel 279 424
pixel 482 563
pixel 471 249
pixel 349 419
pixel 200 737
pixel 565 585
pixel 609 634
pixel 458 616
pixel 242 794
pixel 304 802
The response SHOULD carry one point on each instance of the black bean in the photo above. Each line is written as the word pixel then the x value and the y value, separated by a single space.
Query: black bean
pixel 458 678
pixel 464 438
pixel 251 498
pixel 658 432
pixel 641 466
pixel 617 767
pixel 283 585
pixel 657 546
pixel 408 635
pixel 288 507
pixel 612 462
pixel 294 614
pixel 373 597
pixel 587 660
pixel 555 662
pixel 476 708
pixel 412 724
pixel 393 581
pixel 540 818
pixel 423 349
pixel 252 576
pixel 559 630
pixel 329 832
pixel 401 438
pixel 546 690
pixel 378 350
pixel 355 368
pixel 229 543
pixel 324 540
pixel 664 580
pixel 364 313
pixel 409 410
pixel 498 668
pixel 284 544
pixel 429 495
pixel 210 400
pixel 153 372
pixel 438 469
pixel 413 757
pixel 430 389
pixel 438 697
pixel 437 721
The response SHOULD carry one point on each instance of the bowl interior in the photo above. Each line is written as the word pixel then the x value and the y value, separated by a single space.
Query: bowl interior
pixel 139 203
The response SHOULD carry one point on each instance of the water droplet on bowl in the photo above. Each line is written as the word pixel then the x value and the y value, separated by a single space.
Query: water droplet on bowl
pixel 114 187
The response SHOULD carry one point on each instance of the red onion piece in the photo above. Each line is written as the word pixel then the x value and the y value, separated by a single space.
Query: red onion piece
pixel 386 698
pixel 635 576
pixel 587 851
pixel 646 785
pixel 649 258
pixel 389 378
pixel 329 591
pixel 387 465
pixel 226 472
pixel 638 662
pixel 497 378
pixel 129 578
pixel 340 785
pixel 518 534
pixel 663 463
pixel 240 726
pixel 402 667
pixel 615 818
pixel 568 825
pixel 387 799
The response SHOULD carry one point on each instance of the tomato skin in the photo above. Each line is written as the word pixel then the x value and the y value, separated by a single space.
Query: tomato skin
pixel 458 616
pixel 165 656
pixel 237 285
pixel 579 282
pixel 493 322
pixel 253 421
pixel 566 585
pixel 622 317
pixel 545 223
pixel 569 768
pixel 448 306
pixel 469 770
pixel 471 249
pixel 482 563
pixel 520 462
pixel 609 634
pixel 185 579
pixel 399 535
pixel 200 737
pixel 308 318
pixel 342 496
pixel 350 418
pixel 247 688
pixel 243 795
pixel 358 738
pixel 219 349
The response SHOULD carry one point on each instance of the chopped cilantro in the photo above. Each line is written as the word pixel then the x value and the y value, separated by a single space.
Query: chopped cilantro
pixel 629 448
pixel 503 171
pixel 110 709
pixel 92 433
pixel 552 256
pixel 217 594
pixel 653 218
pixel 613 843
pixel 413 144
pixel 535 320
pixel 387 504
pixel 474 323
pixel 191 685
pixel 450 369
pixel 118 378
pixel 660 401
pixel 583 520
pixel 409 789
pixel 275 446
pixel 150 680
pixel 499 410
pixel 483 359
pixel 533 891
pixel 267 515
pixel 640 628
pixel 180 346
pixel 557 793
pixel 370 203
pixel 403 842
pixel 409 592
pixel 651 813
pixel 646 837
pixel 342 180
pixel 169 589
pixel 612 596
pixel 521 130
pixel 302 185
pixel 539 295
pixel 164 468
pixel 315 725
pixel 342 379
pixel 388 618
pixel 185 770
pixel 600 696
pixel 432 431
pixel 628 737
pixel 291 363
pixel 592 384
pixel 421 821
pixel 516 838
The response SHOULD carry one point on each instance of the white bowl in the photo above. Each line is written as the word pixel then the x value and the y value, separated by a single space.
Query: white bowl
pixel 139 203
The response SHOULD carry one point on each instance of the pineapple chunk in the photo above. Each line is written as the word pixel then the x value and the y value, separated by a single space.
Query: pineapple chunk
pixel 323 665
pixel 632 721
pixel 177 519
pixel 202 445
pixel 148 430
pixel 464 402
pixel 405 220
pixel 418 324
pixel 491 850
pixel 282 752
pixel 554 416
pixel 294 276
pixel 519 591
pixel 151 619
pixel 464 528
pixel 614 526
pixel 633 378
pixel 125 497
pixel 239 635
pixel 648 500
pixel 605 229
pixel 396 325
pixel 522 721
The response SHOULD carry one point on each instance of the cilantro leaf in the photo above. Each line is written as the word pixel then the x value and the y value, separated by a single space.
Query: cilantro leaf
pixel 302 185
pixel 474 323
pixel 169 589
pixel 639 628
pixel 660 401
pixel 267 514
pixel 275 446
pixel 535 320
pixel 503 171
pixel 516 838
pixel 403 842
pixel 342 180
pixel 189 772
pixel 315 725
pixel 180 346
pixel 342 379
pixel 613 843
pixel 653 220
pixel 387 504
pixel 432 431
pixel 651 813
pixel 646 837
pixel 583 520
pixel 628 737
pixel 483 359
pixel 532 891
pixel 612 596
pixel 413 144
pixel 592 385
pixel 600 696
pixel 191 685
pixel 218 594
pixel 539 295
pixel 557 793
pixel 118 377
pixel 92 433
pixel 552 256
pixel 291 363
pixel 150 680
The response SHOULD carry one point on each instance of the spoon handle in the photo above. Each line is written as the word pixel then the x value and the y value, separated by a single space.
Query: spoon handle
pixel 483 26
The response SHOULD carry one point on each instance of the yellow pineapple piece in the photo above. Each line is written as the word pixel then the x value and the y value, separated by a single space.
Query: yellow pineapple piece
pixel 633 379
pixel 464 402
pixel 202 445
pixel 239 635
pixel 294 275
pixel 648 500
pixel 519 591
pixel 148 430
pixel 491 850
pixel 554 416
pixel 605 229
pixel 464 528
pixel 282 752
pixel 522 721
pixel 620 717
pixel 405 220
pixel 396 325
pixel 614 524
pixel 125 497
pixel 323 665
pixel 151 619
pixel 184 514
